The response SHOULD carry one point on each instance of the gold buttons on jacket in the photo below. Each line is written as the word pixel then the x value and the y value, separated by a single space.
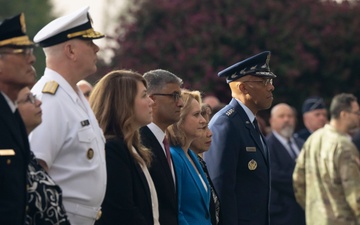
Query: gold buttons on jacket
pixel 98 216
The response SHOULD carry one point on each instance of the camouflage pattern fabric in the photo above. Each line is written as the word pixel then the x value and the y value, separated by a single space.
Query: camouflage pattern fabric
pixel 327 179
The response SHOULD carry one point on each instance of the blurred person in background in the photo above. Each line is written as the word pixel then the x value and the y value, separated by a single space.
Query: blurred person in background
pixel 214 103
pixel 314 116
pixel 16 72
pixel 355 137
pixel 192 185
pixel 198 146
pixel 122 106
pixel 211 100
pixel 284 149
pixel 85 87
pixel 327 172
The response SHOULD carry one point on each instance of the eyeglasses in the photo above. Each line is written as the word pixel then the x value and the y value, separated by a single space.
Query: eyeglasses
pixel 176 95
pixel 30 97
pixel 23 51
pixel 265 81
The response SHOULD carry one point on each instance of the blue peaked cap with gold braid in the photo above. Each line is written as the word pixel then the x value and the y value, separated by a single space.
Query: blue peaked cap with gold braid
pixel 13 33
pixel 257 65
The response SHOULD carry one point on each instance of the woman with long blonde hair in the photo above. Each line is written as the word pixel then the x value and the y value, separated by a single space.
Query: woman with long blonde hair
pixel 192 186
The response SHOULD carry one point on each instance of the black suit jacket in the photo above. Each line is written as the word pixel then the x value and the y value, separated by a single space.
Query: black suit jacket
pixel 163 180
pixel 12 168
pixel 284 209
pixel 239 168
pixel 303 134
pixel 127 199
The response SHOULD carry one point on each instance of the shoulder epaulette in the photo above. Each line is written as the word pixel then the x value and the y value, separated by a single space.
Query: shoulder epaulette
pixel 230 112
pixel 50 87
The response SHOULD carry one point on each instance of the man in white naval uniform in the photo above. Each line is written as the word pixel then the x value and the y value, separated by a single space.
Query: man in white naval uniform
pixel 69 143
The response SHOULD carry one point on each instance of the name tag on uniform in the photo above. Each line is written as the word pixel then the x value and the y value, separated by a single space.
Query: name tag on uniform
pixel 85 123
pixel 251 149
pixel 7 152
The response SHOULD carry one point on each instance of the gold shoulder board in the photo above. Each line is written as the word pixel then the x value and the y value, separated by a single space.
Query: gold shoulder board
pixel 50 87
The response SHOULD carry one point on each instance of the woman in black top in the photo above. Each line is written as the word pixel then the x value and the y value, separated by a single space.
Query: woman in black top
pixel 44 195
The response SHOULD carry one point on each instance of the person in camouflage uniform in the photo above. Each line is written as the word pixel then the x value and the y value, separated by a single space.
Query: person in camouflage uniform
pixel 327 173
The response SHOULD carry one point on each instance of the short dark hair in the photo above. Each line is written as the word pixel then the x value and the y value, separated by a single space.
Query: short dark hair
pixel 341 102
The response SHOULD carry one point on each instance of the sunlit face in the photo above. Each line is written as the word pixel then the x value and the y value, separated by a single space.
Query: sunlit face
pixel 85 51
pixel 166 108
pixel 283 120
pixel 142 106
pixel 202 143
pixel 16 69
pixel 194 122
pixel 315 119
pixel 259 95
pixel 30 111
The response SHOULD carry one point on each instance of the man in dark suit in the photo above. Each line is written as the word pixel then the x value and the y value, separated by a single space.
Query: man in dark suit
pixel 314 116
pixel 16 72
pixel 165 90
pixel 238 159
pixel 283 149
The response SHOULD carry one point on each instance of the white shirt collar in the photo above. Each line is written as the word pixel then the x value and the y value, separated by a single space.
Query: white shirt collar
pixel 284 141
pixel 159 134
pixel 12 105
pixel 248 112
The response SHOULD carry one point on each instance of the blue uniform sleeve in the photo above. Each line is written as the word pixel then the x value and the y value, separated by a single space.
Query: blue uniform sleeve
pixel 222 163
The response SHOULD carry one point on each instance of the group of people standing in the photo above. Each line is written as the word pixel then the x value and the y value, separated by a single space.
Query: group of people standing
pixel 102 160
pixel 142 150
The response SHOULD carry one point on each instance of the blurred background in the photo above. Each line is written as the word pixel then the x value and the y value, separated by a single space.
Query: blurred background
pixel 315 44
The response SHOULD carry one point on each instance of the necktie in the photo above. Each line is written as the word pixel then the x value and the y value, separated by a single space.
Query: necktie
pixel 293 153
pixel 256 125
pixel 167 151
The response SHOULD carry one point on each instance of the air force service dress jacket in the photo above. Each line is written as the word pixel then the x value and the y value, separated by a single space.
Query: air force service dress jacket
pixel 239 167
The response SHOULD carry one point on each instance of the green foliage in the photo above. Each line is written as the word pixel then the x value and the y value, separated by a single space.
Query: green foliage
pixel 37 14
pixel 315 45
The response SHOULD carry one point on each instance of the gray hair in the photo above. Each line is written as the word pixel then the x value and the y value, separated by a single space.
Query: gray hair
pixel 158 78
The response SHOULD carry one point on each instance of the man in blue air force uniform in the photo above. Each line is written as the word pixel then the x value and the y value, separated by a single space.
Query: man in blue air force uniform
pixel 238 159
